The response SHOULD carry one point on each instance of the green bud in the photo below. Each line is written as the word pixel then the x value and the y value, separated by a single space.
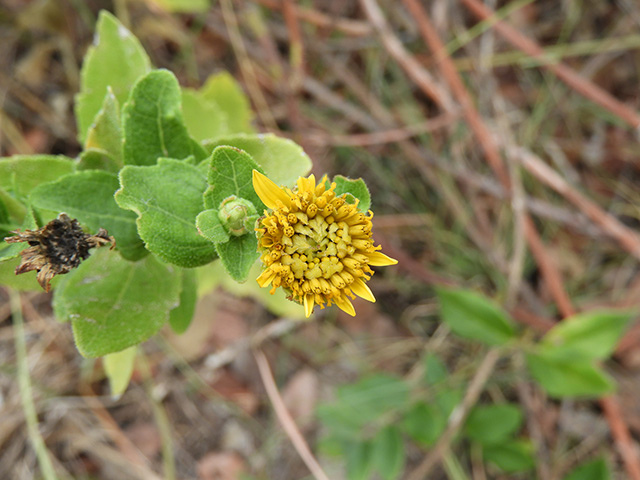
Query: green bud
pixel 237 215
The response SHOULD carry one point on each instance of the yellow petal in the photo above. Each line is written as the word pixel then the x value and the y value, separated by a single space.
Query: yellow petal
pixel 379 259
pixel 266 277
pixel 345 305
pixel 307 184
pixel 269 192
pixel 308 304
pixel 362 290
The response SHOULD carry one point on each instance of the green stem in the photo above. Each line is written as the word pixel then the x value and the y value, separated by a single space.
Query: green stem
pixel 162 420
pixel 26 394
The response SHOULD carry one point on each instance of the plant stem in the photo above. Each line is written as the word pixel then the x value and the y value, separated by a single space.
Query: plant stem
pixel 161 418
pixel 26 394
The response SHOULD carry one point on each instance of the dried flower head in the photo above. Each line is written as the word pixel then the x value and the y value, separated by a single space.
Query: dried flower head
pixel 315 245
pixel 56 248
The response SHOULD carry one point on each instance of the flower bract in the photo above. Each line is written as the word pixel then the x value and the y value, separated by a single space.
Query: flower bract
pixel 315 245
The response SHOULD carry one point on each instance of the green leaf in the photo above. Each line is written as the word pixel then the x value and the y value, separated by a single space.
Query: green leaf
pixel 114 304
pixel 12 250
pixel 95 159
pixel 567 377
pixel 387 453
pixel 88 197
pixel 210 227
pixel 153 123
pixel 16 210
pixel 283 160
pixel 360 406
pixel 474 317
pixel 167 198
pixel 491 424
pixel 224 91
pixel 25 282
pixel 230 173
pixel 184 6
pixel 181 316
pixel 116 59
pixel 5 220
pixel 118 367
pixel 359 460
pixel 22 173
pixel 511 457
pixel 448 399
pixel 105 133
pixel 373 397
pixel 591 335
pixel 354 189
pixel 424 423
pixel 594 470
pixel 238 255
pixel 230 176
pixel 215 274
pixel 341 423
pixel 204 119
pixel 434 370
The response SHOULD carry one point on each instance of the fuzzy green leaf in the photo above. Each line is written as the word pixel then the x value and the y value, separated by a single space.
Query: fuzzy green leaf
pixel 282 160
pixel 88 197
pixel 238 255
pixel 230 173
pixel 181 316
pixel 204 119
pixel 105 133
pixel 591 335
pixel 118 367
pixel 16 210
pixel 114 304
pixel 96 159
pixel 568 377
pixel 153 123
pixel 224 91
pixel 25 282
pixel 474 317
pixel 354 189
pixel 116 59
pixel 167 198
pixel 210 227
pixel 22 173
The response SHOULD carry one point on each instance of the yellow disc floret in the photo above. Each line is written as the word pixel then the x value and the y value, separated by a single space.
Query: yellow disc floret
pixel 315 245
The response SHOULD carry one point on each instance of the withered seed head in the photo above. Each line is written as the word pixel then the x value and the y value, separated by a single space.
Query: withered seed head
pixel 56 248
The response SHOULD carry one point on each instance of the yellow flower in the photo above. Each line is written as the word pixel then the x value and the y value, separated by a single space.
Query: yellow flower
pixel 315 245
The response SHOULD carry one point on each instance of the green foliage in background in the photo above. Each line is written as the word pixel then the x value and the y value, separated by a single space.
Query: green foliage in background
pixel 371 421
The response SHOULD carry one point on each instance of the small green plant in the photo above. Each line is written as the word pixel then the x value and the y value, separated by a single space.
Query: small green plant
pixel 167 177
pixel 371 420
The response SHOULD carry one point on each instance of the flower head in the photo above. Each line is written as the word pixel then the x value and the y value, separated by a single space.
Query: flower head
pixel 315 245
pixel 56 248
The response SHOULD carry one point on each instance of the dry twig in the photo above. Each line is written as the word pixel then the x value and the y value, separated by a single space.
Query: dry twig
pixel 285 418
